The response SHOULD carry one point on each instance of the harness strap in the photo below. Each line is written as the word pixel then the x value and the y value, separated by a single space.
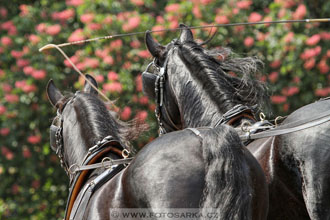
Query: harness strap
pixel 102 164
pixel 289 128
pixel 86 193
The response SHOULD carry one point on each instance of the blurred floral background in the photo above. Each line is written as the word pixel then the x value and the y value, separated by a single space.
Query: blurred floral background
pixel 32 184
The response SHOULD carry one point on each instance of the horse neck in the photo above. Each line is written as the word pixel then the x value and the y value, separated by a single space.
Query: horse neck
pixel 196 107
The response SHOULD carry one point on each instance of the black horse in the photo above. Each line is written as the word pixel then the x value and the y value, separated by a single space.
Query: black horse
pixel 205 169
pixel 194 87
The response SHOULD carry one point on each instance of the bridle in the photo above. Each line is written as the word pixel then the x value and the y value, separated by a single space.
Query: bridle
pixel 57 143
pixel 229 117
pixel 161 73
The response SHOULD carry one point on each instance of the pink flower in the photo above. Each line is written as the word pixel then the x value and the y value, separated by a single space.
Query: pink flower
pixel 7 25
pixel 300 12
pixel 138 83
pixel 53 29
pixel 77 35
pixel 135 44
pixel 74 2
pixel 261 36
pixel 3 12
pixel 126 113
pixel 7 153
pixel 34 139
pixel 22 63
pixel 20 84
pixel 141 116
pixel 94 26
pixel 74 59
pixel 322 92
pixel 248 42
pixel 99 78
pixel 325 35
pixel 289 37
pixel 309 64
pixel 323 66
pixel 313 40
pixel 91 62
pixel 127 65
pixel 4 131
pixel 144 100
pixel 221 19
pixel 41 27
pixel 6 41
pixel 2 109
pixel 63 15
pixel 133 23
pixel 137 2
pixel 157 30
pixel 172 7
pixel 87 18
pixel 24 10
pixel 197 12
pixel 2 73
pixel 28 70
pixel 144 54
pixel 11 98
pixel 290 91
pixel 116 44
pixel 245 4
pixel 113 87
pixel 16 54
pixel 278 99
pixel 275 64
pixel 26 153
pixel 113 76
pixel 107 20
pixel 254 17
pixel 6 88
pixel 273 77
pixel 39 74
pixel 108 60
pixel 160 19
pixel 309 53
pixel 29 88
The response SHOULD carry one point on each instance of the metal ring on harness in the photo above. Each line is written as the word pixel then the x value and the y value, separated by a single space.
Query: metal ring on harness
pixel 245 126
pixel 107 159
pixel 262 116
pixel 71 169
pixel 125 153
pixel 277 119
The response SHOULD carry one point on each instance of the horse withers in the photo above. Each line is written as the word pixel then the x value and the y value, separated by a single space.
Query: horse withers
pixel 195 87
pixel 207 170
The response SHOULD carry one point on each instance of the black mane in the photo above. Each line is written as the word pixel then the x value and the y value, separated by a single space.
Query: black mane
pixel 225 89
pixel 97 122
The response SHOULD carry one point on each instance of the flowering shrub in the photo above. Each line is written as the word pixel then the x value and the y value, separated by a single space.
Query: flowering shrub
pixel 33 186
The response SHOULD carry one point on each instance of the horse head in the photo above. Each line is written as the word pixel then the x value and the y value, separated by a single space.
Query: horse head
pixel 193 86
pixel 82 121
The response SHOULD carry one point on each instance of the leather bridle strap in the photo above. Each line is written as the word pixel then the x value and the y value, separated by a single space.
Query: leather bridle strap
pixel 289 128
pixel 104 164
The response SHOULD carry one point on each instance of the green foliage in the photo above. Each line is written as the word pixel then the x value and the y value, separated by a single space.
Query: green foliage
pixel 33 186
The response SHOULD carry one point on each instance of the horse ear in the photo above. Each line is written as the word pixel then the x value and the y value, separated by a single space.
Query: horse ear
pixel 88 88
pixel 154 47
pixel 148 85
pixel 186 34
pixel 53 94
